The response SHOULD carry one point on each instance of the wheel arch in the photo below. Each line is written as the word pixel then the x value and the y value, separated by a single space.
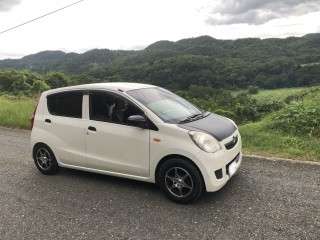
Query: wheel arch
pixel 171 156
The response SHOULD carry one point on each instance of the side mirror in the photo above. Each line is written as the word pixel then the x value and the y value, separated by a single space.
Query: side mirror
pixel 137 121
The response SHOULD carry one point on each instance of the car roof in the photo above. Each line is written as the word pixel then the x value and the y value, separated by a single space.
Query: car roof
pixel 115 86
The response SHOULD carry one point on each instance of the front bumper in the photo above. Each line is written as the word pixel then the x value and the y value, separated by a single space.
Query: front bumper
pixel 215 166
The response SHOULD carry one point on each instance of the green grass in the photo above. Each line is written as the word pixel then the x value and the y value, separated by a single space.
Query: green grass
pixel 291 132
pixel 278 95
pixel 16 113
pixel 271 95
pixel 257 139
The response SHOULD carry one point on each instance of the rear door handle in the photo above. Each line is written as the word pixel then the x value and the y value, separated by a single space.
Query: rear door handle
pixel 92 129
pixel 47 121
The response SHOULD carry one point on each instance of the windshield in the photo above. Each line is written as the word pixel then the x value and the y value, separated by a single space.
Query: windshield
pixel 165 104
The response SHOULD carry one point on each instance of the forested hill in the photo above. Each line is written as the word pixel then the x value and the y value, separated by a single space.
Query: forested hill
pixel 206 61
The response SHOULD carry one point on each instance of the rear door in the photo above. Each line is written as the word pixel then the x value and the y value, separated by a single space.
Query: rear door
pixel 64 127
pixel 112 144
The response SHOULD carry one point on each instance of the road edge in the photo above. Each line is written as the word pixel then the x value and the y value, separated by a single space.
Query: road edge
pixel 15 129
pixel 281 159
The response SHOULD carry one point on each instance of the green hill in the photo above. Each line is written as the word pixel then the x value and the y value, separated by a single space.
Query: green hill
pixel 206 61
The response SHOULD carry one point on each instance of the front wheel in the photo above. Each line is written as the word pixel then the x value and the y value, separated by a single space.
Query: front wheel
pixel 181 181
pixel 45 159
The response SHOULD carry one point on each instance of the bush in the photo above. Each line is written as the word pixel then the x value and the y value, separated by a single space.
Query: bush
pixel 253 90
pixel 296 119
pixel 299 118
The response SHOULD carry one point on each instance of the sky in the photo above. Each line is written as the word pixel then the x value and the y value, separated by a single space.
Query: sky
pixel 135 24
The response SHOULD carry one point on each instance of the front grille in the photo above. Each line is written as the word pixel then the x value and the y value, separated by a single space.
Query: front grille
pixel 232 143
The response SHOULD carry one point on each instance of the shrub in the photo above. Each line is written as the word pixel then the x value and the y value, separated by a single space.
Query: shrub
pixel 253 90
pixel 300 118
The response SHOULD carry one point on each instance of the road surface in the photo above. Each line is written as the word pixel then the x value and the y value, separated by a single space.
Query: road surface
pixel 265 200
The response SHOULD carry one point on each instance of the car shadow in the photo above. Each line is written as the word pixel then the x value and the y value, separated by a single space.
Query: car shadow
pixel 97 179
pixel 136 188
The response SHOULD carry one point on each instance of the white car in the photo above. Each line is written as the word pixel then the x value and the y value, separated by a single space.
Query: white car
pixel 136 131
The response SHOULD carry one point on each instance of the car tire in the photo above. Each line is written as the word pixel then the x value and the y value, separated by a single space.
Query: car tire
pixel 45 160
pixel 181 181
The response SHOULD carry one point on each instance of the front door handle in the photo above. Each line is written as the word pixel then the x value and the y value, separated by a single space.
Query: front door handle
pixel 92 129
pixel 47 121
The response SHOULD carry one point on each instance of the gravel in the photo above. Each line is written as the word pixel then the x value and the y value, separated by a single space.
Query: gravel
pixel 266 199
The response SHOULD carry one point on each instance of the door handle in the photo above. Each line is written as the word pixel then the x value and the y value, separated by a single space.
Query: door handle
pixel 47 121
pixel 92 129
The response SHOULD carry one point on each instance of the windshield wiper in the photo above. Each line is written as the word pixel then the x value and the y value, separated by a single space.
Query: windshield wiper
pixel 194 117
pixel 205 113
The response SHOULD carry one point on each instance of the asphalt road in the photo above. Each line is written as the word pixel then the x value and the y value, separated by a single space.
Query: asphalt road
pixel 265 200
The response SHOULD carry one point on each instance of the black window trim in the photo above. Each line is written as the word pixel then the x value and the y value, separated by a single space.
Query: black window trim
pixel 150 125
pixel 65 92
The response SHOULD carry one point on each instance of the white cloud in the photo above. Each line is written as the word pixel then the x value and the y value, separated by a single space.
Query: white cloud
pixel 128 24
pixel 6 5
pixel 256 12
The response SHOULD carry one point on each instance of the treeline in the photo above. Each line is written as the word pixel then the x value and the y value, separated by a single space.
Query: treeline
pixel 202 61
pixel 183 71
pixel 28 83
pixel 240 107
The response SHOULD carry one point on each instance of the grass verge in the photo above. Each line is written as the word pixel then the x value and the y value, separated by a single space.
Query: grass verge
pixel 258 140
pixel 276 95
pixel 15 112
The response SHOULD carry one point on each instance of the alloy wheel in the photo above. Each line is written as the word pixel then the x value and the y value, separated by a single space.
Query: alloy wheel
pixel 43 158
pixel 179 182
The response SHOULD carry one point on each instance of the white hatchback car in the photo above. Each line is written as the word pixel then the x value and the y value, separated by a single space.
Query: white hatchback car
pixel 136 131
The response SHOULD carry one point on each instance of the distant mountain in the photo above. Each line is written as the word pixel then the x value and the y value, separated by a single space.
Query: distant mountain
pixel 206 61
pixel 300 49
pixel 46 61
pixel 312 36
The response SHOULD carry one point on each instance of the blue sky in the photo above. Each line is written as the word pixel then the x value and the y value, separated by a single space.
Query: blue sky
pixel 134 24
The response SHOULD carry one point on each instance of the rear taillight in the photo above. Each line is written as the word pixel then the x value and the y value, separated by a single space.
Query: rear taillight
pixel 33 115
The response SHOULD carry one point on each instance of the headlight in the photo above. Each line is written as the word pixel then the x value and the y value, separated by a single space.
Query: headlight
pixel 205 141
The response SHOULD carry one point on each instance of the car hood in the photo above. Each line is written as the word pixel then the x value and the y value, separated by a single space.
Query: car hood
pixel 218 126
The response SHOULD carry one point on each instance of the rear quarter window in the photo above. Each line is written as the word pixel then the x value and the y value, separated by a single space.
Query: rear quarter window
pixel 67 104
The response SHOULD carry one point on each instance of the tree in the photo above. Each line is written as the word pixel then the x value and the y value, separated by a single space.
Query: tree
pixel 39 86
pixel 20 86
pixel 57 79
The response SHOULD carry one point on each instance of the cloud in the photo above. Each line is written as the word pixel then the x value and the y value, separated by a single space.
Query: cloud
pixel 7 5
pixel 257 12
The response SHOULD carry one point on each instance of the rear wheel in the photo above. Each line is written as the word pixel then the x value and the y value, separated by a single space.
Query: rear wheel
pixel 45 159
pixel 181 181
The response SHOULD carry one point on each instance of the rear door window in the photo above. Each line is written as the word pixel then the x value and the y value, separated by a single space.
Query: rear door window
pixel 67 104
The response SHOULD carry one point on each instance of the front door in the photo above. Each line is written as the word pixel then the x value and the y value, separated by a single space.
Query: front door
pixel 112 144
